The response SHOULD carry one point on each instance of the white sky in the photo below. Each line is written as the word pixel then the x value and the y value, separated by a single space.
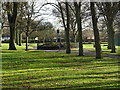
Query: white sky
pixel 46 12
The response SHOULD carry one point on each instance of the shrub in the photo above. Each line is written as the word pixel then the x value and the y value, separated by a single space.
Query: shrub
pixel 50 46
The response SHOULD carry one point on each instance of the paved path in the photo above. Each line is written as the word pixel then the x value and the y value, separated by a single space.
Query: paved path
pixel 87 52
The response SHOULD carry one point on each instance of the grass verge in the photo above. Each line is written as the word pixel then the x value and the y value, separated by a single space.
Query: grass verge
pixel 45 70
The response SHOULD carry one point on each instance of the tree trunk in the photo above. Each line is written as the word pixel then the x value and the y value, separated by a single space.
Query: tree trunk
pixel 0 24
pixel 111 32
pixel 20 39
pixel 109 41
pixel 79 25
pixel 17 37
pixel 110 10
pixel 74 38
pixel 0 38
pixel 12 19
pixel 96 32
pixel 27 30
pixel 0 33
pixel 12 39
pixel 44 40
pixel 66 27
pixel 67 31
pixel 26 41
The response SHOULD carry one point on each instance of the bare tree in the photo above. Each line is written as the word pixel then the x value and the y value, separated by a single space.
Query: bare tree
pixel 109 11
pixel 96 32
pixel 79 26
pixel 30 15
pixel 12 15
pixel 67 31
pixel 0 24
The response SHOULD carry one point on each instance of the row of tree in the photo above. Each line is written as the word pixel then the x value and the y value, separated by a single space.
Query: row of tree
pixel 21 17
pixel 72 14
pixel 95 10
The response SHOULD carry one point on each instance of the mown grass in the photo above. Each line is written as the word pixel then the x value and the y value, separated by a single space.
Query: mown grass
pixel 5 46
pixel 45 70
pixel 85 46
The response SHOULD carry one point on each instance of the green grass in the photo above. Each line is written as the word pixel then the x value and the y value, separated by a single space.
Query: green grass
pixel 33 44
pixel 39 69
pixel 104 48
pixel 88 46
pixel 5 46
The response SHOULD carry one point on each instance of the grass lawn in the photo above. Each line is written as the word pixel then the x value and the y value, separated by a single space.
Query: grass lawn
pixel 104 49
pixel 85 46
pixel 5 46
pixel 39 69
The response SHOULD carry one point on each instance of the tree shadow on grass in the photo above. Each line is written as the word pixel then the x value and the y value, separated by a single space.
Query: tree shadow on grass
pixel 94 86
pixel 105 75
pixel 50 63
pixel 99 84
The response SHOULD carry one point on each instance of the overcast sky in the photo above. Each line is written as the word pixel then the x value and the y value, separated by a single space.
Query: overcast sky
pixel 46 12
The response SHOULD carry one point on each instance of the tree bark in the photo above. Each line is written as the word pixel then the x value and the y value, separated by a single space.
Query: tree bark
pixel 67 31
pixel 79 25
pixel 111 34
pixel 12 19
pixel 0 33
pixel 66 27
pixel 74 38
pixel 110 9
pixel 0 38
pixel 27 34
pixel 28 28
pixel 62 15
pixel 12 39
pixel 0 24
pixel 20 39
pixel 17 36
pixel 26 41
pixel 96 32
